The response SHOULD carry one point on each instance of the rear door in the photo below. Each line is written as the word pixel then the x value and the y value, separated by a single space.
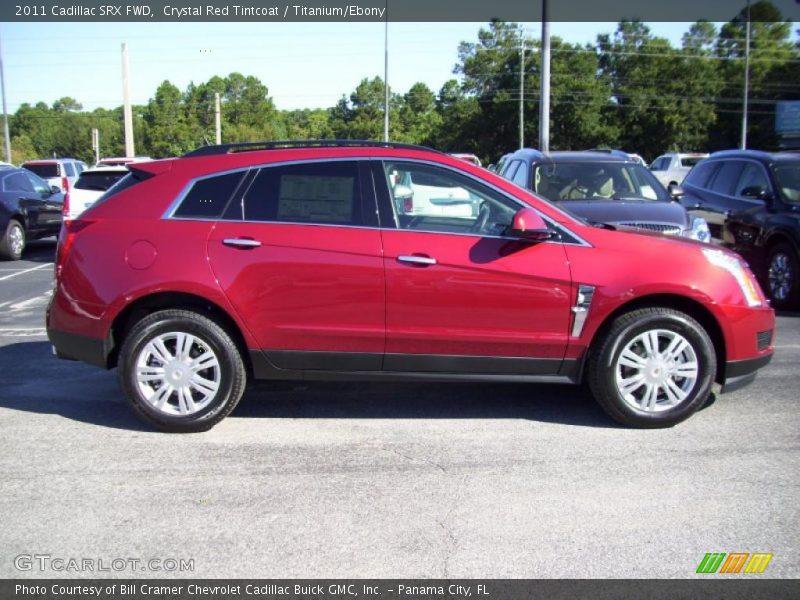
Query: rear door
pixel 461 297
pixel 298 254
pixel 20 189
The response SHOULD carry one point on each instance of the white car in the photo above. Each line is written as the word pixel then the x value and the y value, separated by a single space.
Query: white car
pixel 428 195
pixel 92 184
pixel 672 168
pixel 59 172
pixel 120 161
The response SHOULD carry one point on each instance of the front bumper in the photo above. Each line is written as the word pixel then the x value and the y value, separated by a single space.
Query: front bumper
pixel 740 373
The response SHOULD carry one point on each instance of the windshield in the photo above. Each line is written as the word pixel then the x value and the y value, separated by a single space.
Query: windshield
pixel 597 181
pixel 690 161
pixel 788 178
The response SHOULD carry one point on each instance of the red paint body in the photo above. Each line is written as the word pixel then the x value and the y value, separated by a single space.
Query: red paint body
pixel 330 288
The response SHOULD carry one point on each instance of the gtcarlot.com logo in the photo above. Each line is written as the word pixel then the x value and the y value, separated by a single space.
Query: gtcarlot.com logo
pixel 735 562
pixel 48 562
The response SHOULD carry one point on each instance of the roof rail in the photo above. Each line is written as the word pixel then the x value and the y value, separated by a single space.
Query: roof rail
pixel 611 151
pixel 281 145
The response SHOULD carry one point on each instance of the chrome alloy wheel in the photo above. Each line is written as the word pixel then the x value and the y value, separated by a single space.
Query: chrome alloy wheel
pixel 178 373
pixel 780 276
pixel 656 371
pixel 16 240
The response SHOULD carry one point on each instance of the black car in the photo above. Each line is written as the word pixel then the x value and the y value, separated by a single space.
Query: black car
pixel 751 200
pixel 607 187
pixel 29 209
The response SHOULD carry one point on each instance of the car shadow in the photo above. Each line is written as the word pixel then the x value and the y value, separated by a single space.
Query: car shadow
pixel 87 394
pixel 40 251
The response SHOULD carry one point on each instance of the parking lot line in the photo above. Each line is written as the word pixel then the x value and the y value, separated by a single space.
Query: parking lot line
pixel 36 268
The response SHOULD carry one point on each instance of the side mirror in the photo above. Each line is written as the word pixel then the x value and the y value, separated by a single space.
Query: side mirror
pixel 675 191
pixel 756 192
pixel 528 225
pixel 54 189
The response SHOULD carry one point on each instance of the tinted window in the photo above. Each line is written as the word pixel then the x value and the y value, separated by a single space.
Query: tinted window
pixel 17 182
pixel 98 180
pixel 753 179
pixel 690 161
pixel 660 163
pixel 320 193
pixel 44 170
pixel 511 169
pixel 39 185
pixel 725 180
pixel 521 176
pixel 788 178
pixel 209 197
pixel 701 174
pixel 429 198
pixel 69 169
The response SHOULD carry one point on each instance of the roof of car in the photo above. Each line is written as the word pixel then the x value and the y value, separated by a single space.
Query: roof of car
pixel 758 155
pixel 531 154
pixel 107 169
pixel 49 161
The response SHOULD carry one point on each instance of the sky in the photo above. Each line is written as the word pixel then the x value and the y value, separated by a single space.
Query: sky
pixel 304 65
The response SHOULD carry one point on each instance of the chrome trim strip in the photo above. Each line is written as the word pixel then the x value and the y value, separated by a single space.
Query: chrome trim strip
pixel 581 309
pixel 417 260
pixel 242 242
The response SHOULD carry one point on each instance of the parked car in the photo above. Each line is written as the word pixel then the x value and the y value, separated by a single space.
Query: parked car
pixel 752 202
pixel 605 186
pixel 672 168
pixel 92 183
pixel 121 161
pixel 470 158
pixel 424 194
pixel 29 209
pixel 59 172
pixel 291 261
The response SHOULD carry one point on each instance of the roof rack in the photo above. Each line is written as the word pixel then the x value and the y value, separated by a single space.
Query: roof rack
pixel 281 145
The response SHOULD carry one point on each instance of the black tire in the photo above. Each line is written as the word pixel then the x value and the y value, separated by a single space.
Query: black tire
pixel 230 373
pixel 605 352
pixel 8 250
pixel 782 276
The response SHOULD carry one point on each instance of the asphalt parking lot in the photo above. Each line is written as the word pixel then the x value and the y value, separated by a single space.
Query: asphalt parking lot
pixel 386 480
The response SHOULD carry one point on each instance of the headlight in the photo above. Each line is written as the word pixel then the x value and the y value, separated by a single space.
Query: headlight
pixel 734 266
pixel 699 230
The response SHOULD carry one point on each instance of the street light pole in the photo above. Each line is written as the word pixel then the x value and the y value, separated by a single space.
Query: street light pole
pixel 521 87
pixel 6 134
pixel 743 144
pixel 386 78
pixel 544 99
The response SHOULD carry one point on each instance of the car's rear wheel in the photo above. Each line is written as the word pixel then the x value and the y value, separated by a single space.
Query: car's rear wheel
pixel 652 367
pixel 783 276
pixel 181 371
pixel 13 242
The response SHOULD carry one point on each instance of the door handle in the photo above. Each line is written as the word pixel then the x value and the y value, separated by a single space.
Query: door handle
pixel 424 261
pixel 241 242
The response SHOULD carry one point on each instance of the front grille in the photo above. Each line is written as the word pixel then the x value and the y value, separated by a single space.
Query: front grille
pixel 668 228
pixel 763 339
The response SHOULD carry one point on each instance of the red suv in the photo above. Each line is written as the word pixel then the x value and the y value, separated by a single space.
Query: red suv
pixel 311 261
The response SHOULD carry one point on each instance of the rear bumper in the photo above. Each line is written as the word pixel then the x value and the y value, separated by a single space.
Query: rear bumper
pixel 740 373
pixel 72 346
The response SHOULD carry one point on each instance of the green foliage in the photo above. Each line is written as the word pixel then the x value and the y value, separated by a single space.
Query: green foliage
pixel 630 90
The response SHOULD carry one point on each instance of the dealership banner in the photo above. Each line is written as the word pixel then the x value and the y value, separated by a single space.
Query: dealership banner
pixel 396 589
pixel 379 10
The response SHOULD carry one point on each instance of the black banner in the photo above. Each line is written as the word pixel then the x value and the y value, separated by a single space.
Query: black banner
pixel 379 10
pixel 736 587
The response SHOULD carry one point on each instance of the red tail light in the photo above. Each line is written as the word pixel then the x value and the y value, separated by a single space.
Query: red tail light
pixel 65 187
pixel 65 184
pixel 408 205
pixel 66 237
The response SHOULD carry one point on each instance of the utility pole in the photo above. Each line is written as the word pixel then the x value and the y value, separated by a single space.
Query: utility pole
pixel 743 144
pixel 96 144
pixel 126 100
pixel 521 87
pixel 386 79
pixel 6 134
pixel 217 119
pixel 544 95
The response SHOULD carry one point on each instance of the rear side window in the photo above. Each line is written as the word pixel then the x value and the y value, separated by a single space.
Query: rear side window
pixel 521 176
pixel 17 182
pixel 208 197
pixel 701 174
pixel 43 170
pixel 319 193
pixel 69 169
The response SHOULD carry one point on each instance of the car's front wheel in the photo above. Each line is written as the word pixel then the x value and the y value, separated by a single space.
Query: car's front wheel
pixel 181 371
pixel 783 276
pixel 652 367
